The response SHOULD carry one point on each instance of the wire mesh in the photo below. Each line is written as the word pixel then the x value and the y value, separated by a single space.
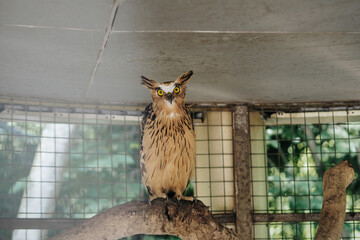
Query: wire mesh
pixel 60 160
pixel 299 230
pixel 214 178
pixel 66 161
pixel 291 147
pixel 82 159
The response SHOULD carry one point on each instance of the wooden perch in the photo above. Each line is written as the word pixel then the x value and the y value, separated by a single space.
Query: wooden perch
pixel 187 220
pixel 335 182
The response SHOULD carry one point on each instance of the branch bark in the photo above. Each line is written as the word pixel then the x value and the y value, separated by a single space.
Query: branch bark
pixel 186 220
pixel 335 182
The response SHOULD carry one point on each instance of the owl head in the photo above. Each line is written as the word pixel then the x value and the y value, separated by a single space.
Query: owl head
pixel 168 94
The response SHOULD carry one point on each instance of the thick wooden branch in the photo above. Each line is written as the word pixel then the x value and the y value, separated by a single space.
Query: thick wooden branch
pixel 187 220
pixel 335 182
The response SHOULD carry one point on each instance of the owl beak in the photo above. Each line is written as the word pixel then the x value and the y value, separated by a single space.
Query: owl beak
pixel 170 98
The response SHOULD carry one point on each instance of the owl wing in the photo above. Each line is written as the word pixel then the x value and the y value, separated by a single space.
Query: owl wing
pixel 190 125
pixel 189 114
pixel 148 114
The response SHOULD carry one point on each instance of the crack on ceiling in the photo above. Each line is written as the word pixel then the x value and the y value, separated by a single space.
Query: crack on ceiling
pixel 108 31
pixel 51 27
pixel 233 32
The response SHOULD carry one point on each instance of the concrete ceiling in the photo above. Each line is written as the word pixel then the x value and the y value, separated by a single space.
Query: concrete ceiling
pixel 240 51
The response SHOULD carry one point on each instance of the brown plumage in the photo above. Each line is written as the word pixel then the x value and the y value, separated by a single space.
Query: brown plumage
pixel 167 150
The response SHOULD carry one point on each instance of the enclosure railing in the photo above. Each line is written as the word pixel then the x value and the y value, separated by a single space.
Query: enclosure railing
pixel 61 163
pixel 291 147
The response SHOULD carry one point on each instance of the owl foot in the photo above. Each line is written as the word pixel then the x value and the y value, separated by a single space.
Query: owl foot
pixel 153 197
pixel 181 197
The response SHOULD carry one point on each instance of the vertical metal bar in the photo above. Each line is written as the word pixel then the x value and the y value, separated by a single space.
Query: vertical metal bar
pixel 97 159
pixel 241 141
pixel 307 138
pixel 85 186
pixel 112 157
pixel 139 115
pixel 279 155
pixel 13 176
pixel 266 170
pixel 126 162
pixel 61 182
pixel 222 159
pixel 209 162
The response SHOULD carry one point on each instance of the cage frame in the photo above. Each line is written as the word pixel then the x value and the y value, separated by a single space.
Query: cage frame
pixel 243 217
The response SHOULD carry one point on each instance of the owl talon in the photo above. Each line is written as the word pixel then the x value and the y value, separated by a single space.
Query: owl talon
pixel 185 198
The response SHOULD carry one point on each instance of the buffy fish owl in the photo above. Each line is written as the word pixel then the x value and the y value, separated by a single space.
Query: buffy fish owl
pixel 167 150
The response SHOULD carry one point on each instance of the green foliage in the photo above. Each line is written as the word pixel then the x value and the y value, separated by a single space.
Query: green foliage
pixel 297 157
pixel 103 170
pixel 18 143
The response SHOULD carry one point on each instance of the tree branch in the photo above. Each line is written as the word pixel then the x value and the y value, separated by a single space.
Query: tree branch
pixel 187 220
pixel 335 182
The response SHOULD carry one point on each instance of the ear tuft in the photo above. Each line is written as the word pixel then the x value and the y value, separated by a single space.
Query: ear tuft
pixel 183 79
pixel 149 83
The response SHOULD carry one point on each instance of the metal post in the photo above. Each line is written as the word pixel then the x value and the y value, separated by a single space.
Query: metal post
pixel 241 139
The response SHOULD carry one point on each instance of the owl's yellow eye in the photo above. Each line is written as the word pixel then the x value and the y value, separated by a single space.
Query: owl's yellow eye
pixel 160 92
pixel 176 90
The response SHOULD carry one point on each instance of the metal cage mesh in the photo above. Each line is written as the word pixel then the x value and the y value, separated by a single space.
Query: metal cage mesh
pixel 214 178
pixel 291 147
pixel 68 161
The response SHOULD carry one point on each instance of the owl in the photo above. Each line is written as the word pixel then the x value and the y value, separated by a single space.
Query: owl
pixel 167 148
